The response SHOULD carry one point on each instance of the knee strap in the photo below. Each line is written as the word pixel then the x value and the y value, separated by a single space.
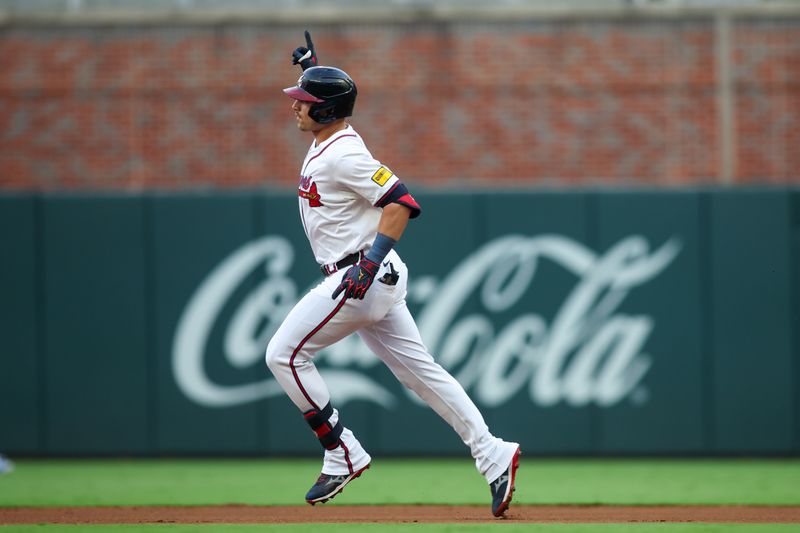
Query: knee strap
pixel 327 434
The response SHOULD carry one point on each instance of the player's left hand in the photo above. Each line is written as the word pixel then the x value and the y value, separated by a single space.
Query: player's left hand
pixel 357 280
pixel 305 57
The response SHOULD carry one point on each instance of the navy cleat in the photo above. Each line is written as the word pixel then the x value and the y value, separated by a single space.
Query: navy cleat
pixel 503 487
pixel 328 486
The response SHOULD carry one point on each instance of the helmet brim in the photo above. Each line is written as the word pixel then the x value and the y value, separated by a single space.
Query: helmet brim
pixel 300 94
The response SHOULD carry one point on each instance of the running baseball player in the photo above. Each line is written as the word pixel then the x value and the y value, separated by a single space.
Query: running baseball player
pixel 353 210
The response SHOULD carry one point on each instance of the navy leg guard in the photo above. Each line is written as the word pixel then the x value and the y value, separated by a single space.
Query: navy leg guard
pixel 327 434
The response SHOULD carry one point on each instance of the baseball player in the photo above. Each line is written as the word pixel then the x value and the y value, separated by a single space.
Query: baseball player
pixel 6 465
pixel 353 210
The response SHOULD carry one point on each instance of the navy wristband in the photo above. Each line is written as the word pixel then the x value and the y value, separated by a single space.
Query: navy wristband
pixel 380 247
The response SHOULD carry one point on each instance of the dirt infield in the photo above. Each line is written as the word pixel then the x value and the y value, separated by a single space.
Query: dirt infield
pixel 248 514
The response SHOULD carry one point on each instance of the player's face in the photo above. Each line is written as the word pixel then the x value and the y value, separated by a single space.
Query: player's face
pixel 304 122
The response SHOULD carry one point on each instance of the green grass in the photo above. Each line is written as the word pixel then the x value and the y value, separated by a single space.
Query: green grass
pixel 400 481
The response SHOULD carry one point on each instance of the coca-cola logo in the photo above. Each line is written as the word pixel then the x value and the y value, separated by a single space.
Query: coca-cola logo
pixel 588 352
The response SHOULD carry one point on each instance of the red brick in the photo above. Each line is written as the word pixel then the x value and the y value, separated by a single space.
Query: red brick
pixel 547 102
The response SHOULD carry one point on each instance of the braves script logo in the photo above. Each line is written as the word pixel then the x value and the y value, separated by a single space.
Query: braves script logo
pixel 308 190
pixel 588 353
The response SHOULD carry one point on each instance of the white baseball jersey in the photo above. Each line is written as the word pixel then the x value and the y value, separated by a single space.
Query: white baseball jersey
pixel 340 185
pixel 342 189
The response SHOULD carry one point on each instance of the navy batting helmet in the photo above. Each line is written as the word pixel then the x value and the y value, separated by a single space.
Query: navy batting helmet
pixel 331 90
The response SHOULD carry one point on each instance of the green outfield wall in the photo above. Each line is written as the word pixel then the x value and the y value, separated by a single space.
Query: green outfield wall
pixel 580 322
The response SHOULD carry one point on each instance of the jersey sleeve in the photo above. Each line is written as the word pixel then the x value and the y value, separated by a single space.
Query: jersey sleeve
pixel 399 194
pixel 364 175
pixel 373 181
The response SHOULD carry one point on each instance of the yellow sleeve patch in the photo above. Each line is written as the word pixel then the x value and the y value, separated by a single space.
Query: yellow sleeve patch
pixel 382 176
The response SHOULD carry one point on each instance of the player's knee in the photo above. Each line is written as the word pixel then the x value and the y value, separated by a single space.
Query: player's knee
pixel 276 356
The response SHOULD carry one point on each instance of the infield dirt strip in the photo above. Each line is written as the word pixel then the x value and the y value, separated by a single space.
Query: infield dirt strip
pixel 250 514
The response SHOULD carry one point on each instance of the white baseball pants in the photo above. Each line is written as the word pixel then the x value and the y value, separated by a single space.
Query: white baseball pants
pixel 386 326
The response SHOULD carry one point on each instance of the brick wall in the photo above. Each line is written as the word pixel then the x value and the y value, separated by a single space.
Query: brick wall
pixel 594 102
